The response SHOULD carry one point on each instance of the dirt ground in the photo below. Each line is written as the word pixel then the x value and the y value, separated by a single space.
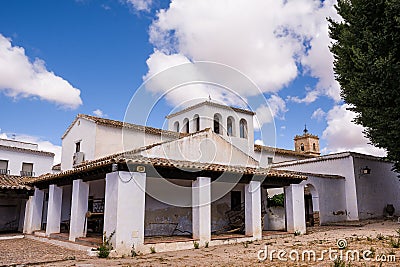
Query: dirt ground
pixel 375 239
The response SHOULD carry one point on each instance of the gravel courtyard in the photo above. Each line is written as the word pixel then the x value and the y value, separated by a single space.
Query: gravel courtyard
pixel 378 237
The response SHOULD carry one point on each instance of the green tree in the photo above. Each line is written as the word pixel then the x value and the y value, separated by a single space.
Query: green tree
pixel 366 48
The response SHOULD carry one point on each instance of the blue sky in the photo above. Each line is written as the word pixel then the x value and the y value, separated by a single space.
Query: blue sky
pixel 105 48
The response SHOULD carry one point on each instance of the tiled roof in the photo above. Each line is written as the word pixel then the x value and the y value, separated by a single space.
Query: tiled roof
pixel 120 124
pixel 245 111
pixel 333 156
pixel 57 167
pixel 131 158
pixel 13 182
pixel 282 151
pixel 320 175
pixel 25 150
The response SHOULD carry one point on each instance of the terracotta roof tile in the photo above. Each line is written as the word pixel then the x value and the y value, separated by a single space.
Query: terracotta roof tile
pixel 281 151
pixel 14 182
pixel 156 162
pixel 57 167
pixel 26 150
pixel 332 156
pixel 120 124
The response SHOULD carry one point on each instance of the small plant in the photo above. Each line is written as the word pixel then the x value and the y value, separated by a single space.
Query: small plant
pixel 206 245
pixel 196 245
pixel 392 252
pixel 395 243
pixel 152 250
pixel 297 233
pixel 372 252
pixel 133 251
pixel 245 244
pixel 369 239
pixel 380 237
pixel 339 263
pixel 106 246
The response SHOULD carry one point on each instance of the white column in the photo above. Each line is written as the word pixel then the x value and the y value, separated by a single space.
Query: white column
pixel 79 207
pixel 201 209
pixel 124 210
pixel 54 210
pixel 252 199
pixel 295 211
pixel 33 212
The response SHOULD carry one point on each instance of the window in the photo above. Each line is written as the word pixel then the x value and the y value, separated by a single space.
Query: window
pixel 4 167
pixel 243 128
pixel 176 126
pixel 314 147
pixel 78 146
pixel 196 123
pixel 236 200
pixel 229 126
pixel 270 160
pixel 27 169
pixel 216 124
pixel 302 147
pixel 186 125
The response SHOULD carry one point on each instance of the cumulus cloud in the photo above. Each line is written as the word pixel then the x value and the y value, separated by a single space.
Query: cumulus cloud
pixel 342 134
pixel 276 108
pixel 19 77
pixel 43 145
pixel 99 113
pixel 310 97
pixel 140 5
pixel 265 39
pixel 318 114
pixel 259 142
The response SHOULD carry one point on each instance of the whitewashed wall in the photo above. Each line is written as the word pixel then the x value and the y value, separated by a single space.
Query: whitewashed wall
pixel 206 114
pixel 331 198
pixel 205 147
pixel 99 141
pixel 41 163
pixel 84 131
pixel 338 164
pixel 377 189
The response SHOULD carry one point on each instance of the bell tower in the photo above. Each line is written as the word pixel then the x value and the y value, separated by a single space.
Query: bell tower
pixel 307 143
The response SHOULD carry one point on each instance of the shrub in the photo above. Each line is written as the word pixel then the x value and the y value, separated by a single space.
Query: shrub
pixel 105 247
pixel 276 201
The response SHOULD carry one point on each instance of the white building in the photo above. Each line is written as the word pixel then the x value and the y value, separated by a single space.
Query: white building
pixel 18 161
pixel 195 179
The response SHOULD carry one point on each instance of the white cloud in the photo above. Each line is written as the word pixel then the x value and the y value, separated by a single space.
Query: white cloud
pixel 140 5
pixel 310 97
pixel 342 134
pixel 43 145
pixel 105 7
pixel 99 113
pixel 259 142
pixel 21 78
pixel 265 114
pixel 265 39
pixel 318 114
